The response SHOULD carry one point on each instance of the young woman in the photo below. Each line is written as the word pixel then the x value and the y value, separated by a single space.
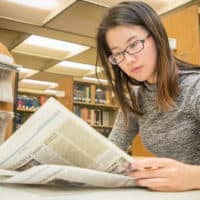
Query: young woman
pixel 164 107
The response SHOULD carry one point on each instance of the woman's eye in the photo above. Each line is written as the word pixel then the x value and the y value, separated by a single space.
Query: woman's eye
pixel 117 54
pixel 133 45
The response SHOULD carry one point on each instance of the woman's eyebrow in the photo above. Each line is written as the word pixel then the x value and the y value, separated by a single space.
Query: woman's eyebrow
pixel 131 38
pixel 127 41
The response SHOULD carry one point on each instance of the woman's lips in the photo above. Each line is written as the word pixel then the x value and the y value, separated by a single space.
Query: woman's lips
pixel 136 69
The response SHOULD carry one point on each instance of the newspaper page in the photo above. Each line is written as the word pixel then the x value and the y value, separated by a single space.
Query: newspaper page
pixel 66 176
pixel 4 172
pixel 54 135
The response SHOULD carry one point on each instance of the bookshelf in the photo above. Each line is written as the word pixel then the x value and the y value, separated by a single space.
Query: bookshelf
pixel 29 100
pixel 95 104
pixel 27 103
pixel 8 84
pixel 92 102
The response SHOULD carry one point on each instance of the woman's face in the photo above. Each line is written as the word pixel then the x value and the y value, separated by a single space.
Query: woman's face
pixel 140 66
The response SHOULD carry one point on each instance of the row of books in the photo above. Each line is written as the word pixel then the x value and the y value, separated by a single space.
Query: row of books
pixel 102 96
pixel 30 102
pixel 93 116
pixel 82 93
pixel 20 118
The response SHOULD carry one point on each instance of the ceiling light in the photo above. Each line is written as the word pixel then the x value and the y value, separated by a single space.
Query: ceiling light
pixel 57 93
pixel 75 65
pixel 37 3
pixel 95 79
pixel 25 72
pixel 41 83
pixel 52 43
pixel 48 47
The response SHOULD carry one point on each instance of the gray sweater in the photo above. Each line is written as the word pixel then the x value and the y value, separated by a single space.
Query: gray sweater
pixel 174 134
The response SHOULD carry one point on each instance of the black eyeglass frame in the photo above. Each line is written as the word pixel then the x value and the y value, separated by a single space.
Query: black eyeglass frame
pixel 125 51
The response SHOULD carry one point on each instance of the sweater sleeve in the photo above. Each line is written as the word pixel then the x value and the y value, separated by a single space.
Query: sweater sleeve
pixel 121 134
pixel 191 96
pixel 195 102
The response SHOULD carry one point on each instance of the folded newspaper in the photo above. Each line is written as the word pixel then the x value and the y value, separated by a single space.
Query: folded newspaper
pixel 54 146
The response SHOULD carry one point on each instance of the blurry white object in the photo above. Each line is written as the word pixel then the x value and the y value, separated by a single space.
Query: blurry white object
pixel 172 43
pixel 6 59
pixel 57 93
pixel 4 119
pixel 6 92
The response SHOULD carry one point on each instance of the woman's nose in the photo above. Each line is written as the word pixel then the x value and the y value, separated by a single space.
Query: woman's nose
pixel 129 58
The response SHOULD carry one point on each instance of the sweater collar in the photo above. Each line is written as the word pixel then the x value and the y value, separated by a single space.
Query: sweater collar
pixel 150 86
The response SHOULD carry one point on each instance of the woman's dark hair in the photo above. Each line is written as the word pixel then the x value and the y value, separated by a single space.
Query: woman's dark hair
pixel 139 13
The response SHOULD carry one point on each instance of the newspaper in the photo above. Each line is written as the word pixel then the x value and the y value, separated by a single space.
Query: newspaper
pixel 54 146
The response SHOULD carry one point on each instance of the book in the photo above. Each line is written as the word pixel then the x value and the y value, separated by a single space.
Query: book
pixel 54 146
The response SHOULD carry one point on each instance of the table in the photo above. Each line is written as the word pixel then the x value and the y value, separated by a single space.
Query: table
pixel 22 192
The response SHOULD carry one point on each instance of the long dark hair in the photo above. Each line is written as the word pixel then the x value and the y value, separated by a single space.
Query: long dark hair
pixel 139 13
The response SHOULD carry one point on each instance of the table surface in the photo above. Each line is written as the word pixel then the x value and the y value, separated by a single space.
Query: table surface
pixel 22 192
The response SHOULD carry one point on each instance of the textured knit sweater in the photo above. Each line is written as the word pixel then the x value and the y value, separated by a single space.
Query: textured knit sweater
pixel 174 134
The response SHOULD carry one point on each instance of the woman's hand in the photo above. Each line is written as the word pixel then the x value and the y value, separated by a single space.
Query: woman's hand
pixel 163 174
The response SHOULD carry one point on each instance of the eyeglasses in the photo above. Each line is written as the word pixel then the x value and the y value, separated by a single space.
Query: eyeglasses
pixel 131 49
